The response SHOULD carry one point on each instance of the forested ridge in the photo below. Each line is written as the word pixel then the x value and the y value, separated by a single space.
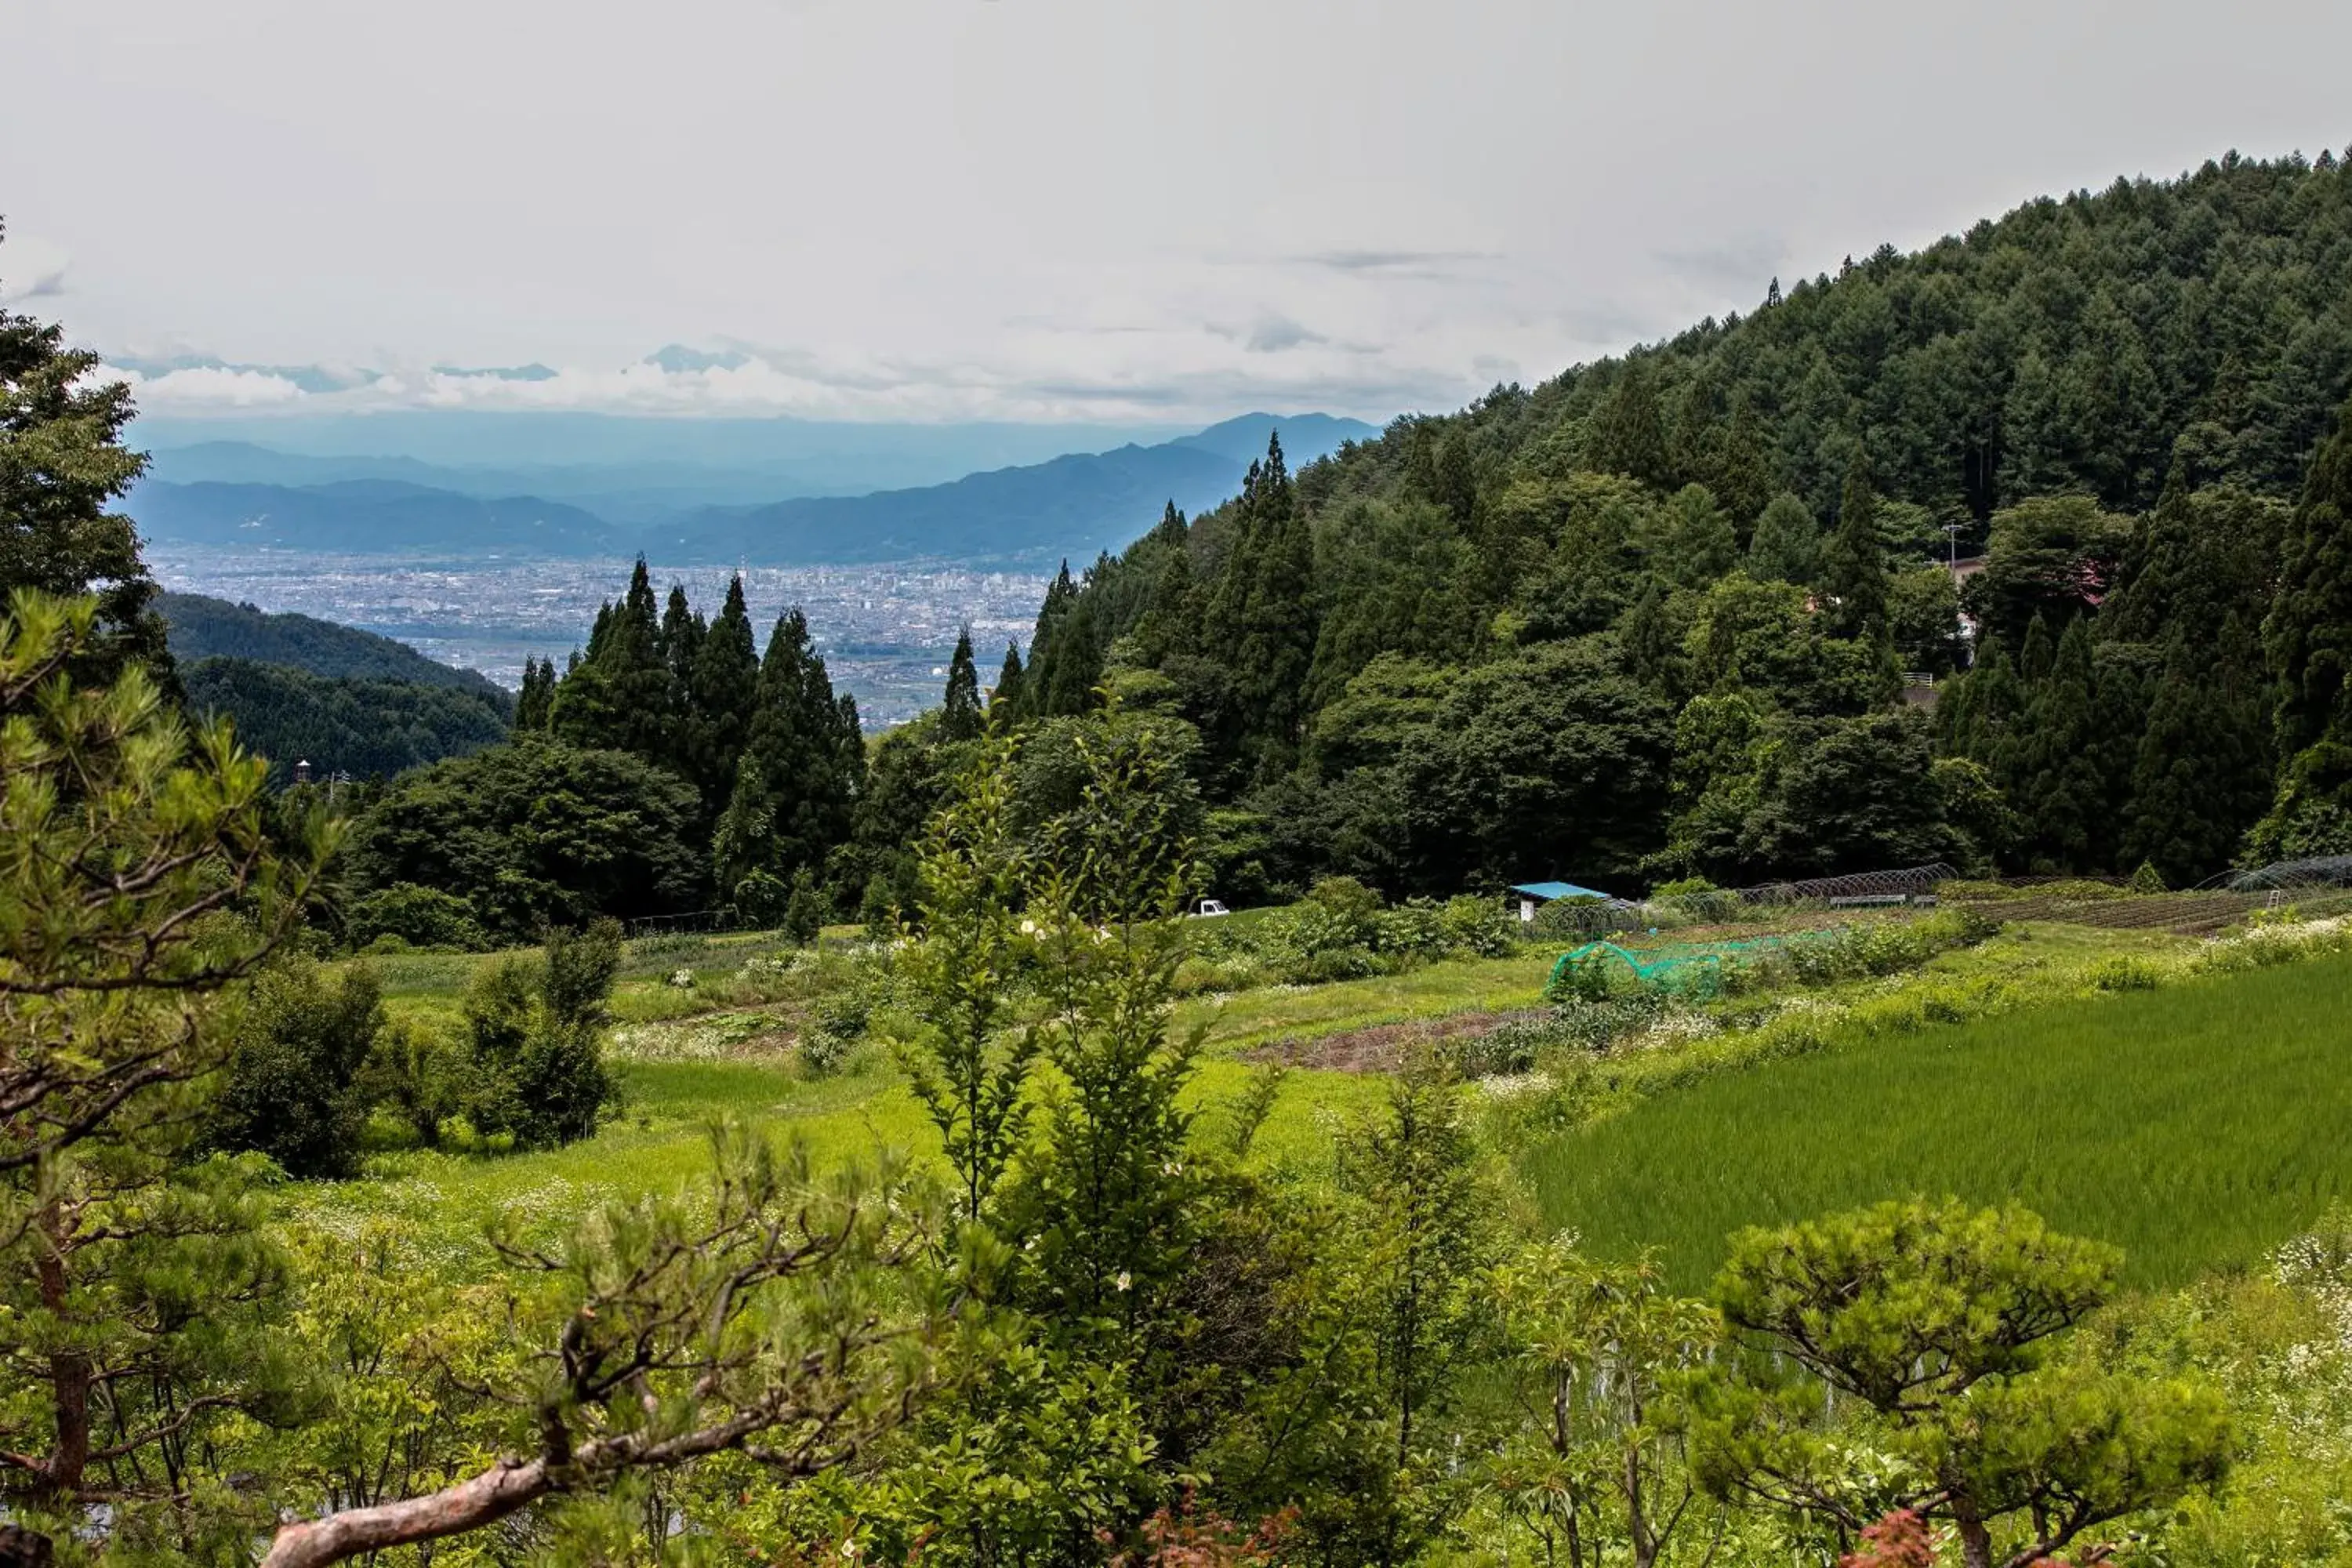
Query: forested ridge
pixel 368 729
pixel 205 627
pixel 1652 618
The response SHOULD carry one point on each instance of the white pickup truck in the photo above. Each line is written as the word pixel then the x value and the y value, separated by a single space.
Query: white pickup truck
pixel 1208 909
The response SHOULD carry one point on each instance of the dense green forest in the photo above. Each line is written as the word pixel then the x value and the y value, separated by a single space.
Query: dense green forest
pixel 205 627
pixel 1652 618
pixel 369 728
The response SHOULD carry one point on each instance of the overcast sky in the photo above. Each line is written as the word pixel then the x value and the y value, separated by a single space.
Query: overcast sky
pixel 1048 209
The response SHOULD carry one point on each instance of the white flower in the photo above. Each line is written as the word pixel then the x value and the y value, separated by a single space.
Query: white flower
pixel 1124 1279
pixel 1028 927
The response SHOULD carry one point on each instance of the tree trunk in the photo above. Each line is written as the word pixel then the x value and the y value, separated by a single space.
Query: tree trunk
pixel 1976 1541
pixel 488 1497
pixel 22 1548
pixel 70 1373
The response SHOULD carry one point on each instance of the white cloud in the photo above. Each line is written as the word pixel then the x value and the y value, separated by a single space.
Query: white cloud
pixel 207 387
pixel 1049 208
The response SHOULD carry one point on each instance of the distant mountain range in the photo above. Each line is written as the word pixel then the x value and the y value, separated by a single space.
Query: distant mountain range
pixel 228 493
pixel 205 627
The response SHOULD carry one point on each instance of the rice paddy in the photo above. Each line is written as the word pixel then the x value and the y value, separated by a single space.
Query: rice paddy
pixel 2195 1126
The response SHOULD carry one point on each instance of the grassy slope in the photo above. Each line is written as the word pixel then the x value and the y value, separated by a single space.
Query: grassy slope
pixel 2194 1126
pixel 658 1139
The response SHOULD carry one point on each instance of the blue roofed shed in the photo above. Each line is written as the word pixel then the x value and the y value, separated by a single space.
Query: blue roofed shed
pixel 1534 893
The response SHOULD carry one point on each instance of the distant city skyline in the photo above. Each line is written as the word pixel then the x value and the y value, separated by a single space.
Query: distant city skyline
pixel 1040 210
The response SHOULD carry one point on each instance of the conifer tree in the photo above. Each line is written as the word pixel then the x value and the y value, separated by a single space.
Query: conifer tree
pixel 1701 543
pixel 2040 653
pixel 1629 434
pixel 537 696
pixel 2203 771
pixel 1745 480
pixel 723 696
pixel 797 783
pixel 682 632
pixel 1260 616
pixel 1853 568
pixel 619 697
pixel 1005 699
pixel 1170 621
pixel 2309 634
pixel 960 715
pixel 1066 684
pixel 1061 594
pixel 1649 638
pixel 1786 546
pixel 2061 789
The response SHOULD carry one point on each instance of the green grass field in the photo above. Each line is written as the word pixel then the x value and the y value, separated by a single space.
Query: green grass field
pixel 2195 1126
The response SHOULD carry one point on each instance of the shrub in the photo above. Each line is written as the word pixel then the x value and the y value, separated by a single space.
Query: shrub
pixel 293 1090
pixel 805 910
pixel 1474 927
pixel 419 1076
pixel 2123 972
pixel 416 917
pixel 537 1027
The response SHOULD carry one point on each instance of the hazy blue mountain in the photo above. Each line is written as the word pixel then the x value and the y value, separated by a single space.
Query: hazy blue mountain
pixel 831 456
pixel 366 517
pixel 205 627
pixel 637 493
pixel 1305 437
pixel 1073 507
pixel 1074 504
pixel 249 463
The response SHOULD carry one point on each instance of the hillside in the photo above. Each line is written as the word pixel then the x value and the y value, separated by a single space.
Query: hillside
pixel 205 627
pixel 368 729
pixel 1651 618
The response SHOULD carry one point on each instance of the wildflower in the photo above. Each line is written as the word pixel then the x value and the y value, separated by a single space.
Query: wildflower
pixel 1028 927
pixel 1124 1279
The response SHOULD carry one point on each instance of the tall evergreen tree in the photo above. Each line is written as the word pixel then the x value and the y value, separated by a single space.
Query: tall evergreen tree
pixel 1004 703
pixel 536 697
pixel 1701 542
pixel 619 697
pixel 796 787
pixel 2204 770
pixel 1745 480
pixel 1629 433
pixel 723 697
pixel 1786 546
pixel 2309 634
pixel 1170 619
pixel 960 715
pixel 682 632
pixel 1854 566
pixel 1260 616
pixel 1036 688
pixel 1067 684
pixel 2061 789
pixel 62 463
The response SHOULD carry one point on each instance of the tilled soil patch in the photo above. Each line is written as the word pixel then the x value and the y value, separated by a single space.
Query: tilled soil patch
pixel 1379 1047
